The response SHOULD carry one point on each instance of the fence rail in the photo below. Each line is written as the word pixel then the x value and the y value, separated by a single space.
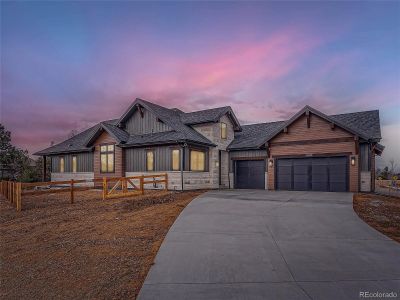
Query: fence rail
pixel 121 187
pixel 388 183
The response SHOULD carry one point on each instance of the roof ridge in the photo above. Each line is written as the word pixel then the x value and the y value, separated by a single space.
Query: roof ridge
pixel 203 110
pixel 355 112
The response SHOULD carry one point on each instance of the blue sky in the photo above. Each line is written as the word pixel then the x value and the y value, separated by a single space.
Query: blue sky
pixel 67 65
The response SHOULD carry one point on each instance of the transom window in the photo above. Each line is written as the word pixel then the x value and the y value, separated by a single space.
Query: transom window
pixel 150 160
pixel 62 164
pixel 175 160
pixel 197 160
pixel 107 158
pixel 74 164
pixel 223 130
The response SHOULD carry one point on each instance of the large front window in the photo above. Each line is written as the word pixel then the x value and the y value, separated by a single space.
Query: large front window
pixel 150 160
pixel 107 158
pixel 74 164
pixel 62 169
pixel 197 160
pixel 223 131
pixel 175 160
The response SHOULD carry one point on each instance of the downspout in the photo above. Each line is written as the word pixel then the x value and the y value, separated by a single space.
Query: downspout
pixel 182 164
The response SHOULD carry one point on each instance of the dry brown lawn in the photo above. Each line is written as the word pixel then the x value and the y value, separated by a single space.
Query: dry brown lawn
pixel 380 212
pixel 89 249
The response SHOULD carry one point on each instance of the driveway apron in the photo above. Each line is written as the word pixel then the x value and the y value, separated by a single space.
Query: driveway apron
pixel 256 244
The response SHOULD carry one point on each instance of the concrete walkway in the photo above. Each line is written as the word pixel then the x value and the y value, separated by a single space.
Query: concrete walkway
pixel 254 244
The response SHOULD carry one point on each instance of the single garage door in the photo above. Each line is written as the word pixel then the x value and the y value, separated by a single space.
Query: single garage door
pixel 250 174
pixel 312 174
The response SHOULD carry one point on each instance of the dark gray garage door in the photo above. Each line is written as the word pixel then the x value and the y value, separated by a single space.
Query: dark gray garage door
pixel 250 174
pixel 312 174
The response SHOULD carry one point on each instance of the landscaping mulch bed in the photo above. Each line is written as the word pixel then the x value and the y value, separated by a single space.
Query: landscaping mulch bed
pixel 89 249
pixel 380 212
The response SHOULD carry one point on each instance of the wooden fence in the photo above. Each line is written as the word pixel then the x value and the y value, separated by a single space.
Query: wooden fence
pixel 387 183
pixel 121 187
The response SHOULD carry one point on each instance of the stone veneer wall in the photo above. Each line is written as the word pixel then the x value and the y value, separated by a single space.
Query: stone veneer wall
pixel 212 131
pixel 192 180
pixel 76 176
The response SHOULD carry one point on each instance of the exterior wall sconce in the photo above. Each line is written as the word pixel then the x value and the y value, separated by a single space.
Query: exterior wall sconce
pixel 270 162
pixel 353 161
pixel 217 164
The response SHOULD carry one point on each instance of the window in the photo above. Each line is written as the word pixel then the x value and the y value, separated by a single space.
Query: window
pixel 74 165
pixel 107 158
pixel 223 131
pixel 197 160
pixel 61 164
pixel 175 160
pixel 150 160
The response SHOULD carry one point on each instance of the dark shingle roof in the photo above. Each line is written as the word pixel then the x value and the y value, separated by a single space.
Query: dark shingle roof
pixel 204 116
pixel 366 123
pixel 77 143
pixel 253 135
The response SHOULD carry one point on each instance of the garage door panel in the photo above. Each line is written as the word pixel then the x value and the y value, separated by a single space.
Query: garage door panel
pixel 314 173
pixel 250 174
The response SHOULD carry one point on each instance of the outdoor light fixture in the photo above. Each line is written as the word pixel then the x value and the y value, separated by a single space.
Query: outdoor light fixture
pixel 353 161
pixel 270 163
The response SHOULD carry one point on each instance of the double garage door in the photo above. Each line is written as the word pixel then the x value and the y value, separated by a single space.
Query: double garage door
pixel 328 174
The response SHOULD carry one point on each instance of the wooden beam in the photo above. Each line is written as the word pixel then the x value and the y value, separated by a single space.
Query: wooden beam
pixel 356 144
pixel 308 118
pixel 140 108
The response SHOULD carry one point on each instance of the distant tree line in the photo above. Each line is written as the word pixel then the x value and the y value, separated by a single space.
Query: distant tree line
pixel 15 163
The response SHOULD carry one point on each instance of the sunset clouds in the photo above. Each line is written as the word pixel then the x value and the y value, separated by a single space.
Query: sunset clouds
pixel 68 65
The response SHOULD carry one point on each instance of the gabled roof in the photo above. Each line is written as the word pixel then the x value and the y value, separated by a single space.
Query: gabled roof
pixel 120 136
pixel 364 124
pixel 210 115
pixel 77 143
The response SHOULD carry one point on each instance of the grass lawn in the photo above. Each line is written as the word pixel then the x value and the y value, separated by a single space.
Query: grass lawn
pixel 380 212
pixel 89 249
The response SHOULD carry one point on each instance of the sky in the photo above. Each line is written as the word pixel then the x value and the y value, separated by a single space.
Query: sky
pixel 68 65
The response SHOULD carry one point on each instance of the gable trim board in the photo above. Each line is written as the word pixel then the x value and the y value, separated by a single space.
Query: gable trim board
pixel 308 136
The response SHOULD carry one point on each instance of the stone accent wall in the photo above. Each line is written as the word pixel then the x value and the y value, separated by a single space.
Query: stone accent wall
pixel 75 176
pixel 365 178
pixel 213 132
pixel 192 180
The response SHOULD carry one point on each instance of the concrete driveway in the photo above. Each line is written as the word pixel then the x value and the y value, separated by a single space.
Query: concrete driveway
pixel 254 244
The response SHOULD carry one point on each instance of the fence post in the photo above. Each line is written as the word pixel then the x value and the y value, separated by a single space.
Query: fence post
pixel 12 192
pixel 166 181
pixel 124 185
pixel 104 188
pixel 72 191
pixel 141 184
pixel 19 195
